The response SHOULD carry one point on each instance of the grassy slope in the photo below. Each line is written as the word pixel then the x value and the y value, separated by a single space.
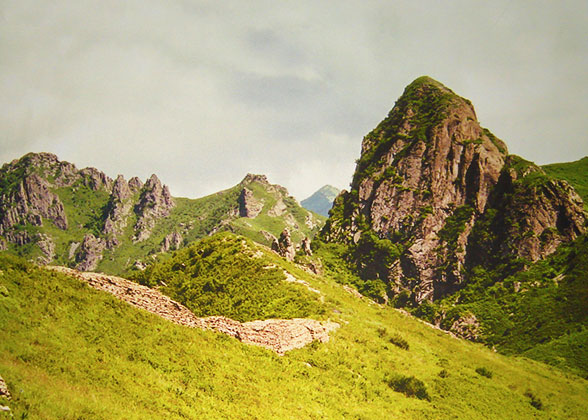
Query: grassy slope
pixel 576 173
pixel 231 276
pixel 71 352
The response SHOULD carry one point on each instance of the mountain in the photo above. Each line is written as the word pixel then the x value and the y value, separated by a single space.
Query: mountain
pixel 52 212
pixel 322 200
pixel 434 194
pixel 70 351
pixel 441 220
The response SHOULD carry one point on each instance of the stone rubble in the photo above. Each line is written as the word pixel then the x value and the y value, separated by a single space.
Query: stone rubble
pixel 279 335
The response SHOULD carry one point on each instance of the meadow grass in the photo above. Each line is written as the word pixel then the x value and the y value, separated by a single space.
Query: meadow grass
pixel 71 352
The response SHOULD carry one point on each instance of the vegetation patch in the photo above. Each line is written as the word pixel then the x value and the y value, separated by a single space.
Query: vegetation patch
pixel 409 386
pixel 231 276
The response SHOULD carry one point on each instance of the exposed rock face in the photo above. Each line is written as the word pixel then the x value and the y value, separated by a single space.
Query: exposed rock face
pixel 30 203
pixel 119 208
pixel 96 179
pixel 284 246
pixel 89 253
pixel 467 327
pixel 155 202
pixel 279 335
pixel 248 205
pixel 4 392
pixel 424 178
pixel 172 241
pixel 529 215
pixel 135 184
pixel 305 246
pixel 47 247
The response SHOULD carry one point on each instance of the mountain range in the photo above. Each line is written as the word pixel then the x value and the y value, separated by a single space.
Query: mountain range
pixel 449 281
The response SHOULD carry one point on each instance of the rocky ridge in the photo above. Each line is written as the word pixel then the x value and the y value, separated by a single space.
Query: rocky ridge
pixel 427 174
pixel 279 335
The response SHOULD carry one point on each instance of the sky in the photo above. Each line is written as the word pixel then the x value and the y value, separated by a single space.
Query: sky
pixel 203 92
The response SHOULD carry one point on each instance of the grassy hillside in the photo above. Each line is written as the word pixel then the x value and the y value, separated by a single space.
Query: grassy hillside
pixel 576 173
pixel 70 352
pixel 231 276
pixel 540 312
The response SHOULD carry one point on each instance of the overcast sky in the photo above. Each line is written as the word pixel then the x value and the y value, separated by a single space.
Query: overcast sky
pixel 202 92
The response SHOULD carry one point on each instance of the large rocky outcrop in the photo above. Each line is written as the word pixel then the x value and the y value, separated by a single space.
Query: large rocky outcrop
pixel 528 216
pixel 284 245
pixel 155 202
pixel 249 206
pixel 172 241
pixel 425 176
pixel 89 253
pixel 118 209
pixel 30 202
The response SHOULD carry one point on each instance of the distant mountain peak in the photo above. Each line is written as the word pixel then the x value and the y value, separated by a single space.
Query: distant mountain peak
pixel 322 200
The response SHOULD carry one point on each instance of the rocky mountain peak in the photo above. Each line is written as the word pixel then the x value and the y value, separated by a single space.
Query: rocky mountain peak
pixel 249 178
pixel 135 184
pixel 155 202
pixel 424 177
pixel 121 190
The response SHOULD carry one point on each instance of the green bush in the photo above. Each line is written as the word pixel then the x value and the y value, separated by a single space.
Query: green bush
pixel 409 386
pixel 482 371
pixel 398 341
pixel 534 400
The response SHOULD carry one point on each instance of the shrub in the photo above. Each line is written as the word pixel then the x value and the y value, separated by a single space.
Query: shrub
pixel 398 341
pixel 443 374
pixel 409 386
pixel 482 371
pixel 535 401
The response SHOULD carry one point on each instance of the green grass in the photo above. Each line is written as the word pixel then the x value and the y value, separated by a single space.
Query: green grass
pixel 71 352
pixel 231 276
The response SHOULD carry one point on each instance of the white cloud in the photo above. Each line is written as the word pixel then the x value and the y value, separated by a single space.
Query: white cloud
pixel 202 92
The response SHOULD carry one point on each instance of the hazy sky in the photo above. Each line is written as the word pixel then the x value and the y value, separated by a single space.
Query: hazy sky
pixel 202 92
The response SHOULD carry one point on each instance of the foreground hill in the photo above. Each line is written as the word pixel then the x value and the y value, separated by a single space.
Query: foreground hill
pixel 71 352
pixel 53 212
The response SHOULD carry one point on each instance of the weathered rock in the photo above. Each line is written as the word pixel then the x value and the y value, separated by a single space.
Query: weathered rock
pixel 467 327
pixel 427 160
pixel 172 241
pixel 305 246
pixel 155 203
pixel 47 247
pixel 95 179
pixel 31 202
pixel 4 392
pixel 72 250
pixel 89 253
pixel 284 246
pixel 3 245
pixel 279 335
pixel 135 185
pixel 529 215
pixel 433 180
pixel 249 206
pixel 119 208
pixel 278 209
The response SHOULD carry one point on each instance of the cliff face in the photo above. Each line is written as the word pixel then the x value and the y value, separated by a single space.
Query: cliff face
pixel 424 178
